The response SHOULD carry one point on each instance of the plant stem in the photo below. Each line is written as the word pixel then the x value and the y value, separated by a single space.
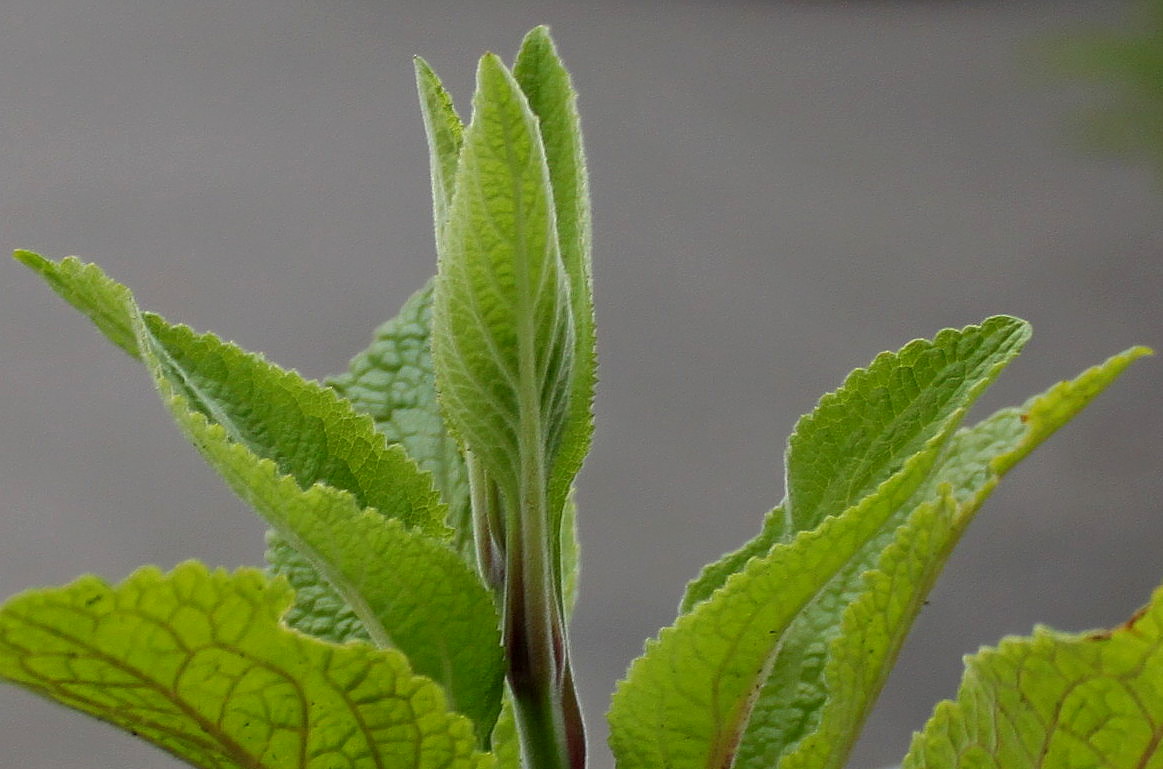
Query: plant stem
pixel 545 703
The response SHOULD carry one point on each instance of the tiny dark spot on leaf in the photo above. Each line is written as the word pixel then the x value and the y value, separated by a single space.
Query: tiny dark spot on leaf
pixel 1024 417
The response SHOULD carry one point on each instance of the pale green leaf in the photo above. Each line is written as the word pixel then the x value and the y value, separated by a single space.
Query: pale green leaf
pixel 506 741
pixel 860 435
pixel 874 623
pixel 502 337
pixel 393 382
pixel 547 85
pixel 753 676
pixel 405 588
pixel 1056 700
pixel 408 590
pixel 713 575
pixel 318 609
pixel 570 556
pixel 445 135
pixel 198 663
pixel 309 432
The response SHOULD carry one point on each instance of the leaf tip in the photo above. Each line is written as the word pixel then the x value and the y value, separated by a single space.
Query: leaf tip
pixel 28 258
pixel 539 35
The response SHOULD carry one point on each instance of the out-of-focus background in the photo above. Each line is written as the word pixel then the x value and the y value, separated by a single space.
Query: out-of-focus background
pixel 781 190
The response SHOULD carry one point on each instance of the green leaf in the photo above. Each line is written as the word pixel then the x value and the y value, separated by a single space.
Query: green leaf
pixel 882 606
pixel 546 83
pixel 445 135
pixel 393 382
pixel 502 337
pixel 1055 700
pixel 780 664
pixel 318 609
pixel 405 589
pixel 713 575
pixel 309 432
pixel 198 663
pixel 548 91
pixel 506 741
pixel 570 557
pixel 860 436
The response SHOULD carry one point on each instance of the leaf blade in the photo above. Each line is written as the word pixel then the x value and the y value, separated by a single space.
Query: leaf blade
pixel 871 421
pixel 1055 699
pixel 739 679
pixel 198 663
pixel 445 133
pixel 393 382
pixel 548 86
pixel 328 483
pixel 306 429
pixel 407 590
pixel 502 336
pixel 877 607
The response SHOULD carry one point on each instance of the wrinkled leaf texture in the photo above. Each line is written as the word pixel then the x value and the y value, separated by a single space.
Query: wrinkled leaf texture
pixel 330 485
pixel 784 644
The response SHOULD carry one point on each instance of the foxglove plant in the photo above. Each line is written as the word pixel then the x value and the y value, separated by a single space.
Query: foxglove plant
pixel 422 550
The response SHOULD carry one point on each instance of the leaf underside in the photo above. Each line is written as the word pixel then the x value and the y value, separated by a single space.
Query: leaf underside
pixel 1055 700
pixel 313 467
pixel 198 663
pixel 784 644
pixel 392 381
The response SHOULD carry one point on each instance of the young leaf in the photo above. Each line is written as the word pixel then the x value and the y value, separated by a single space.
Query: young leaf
pixel 407 590
pixel 858 436
pixel 393 382
pixel 502 337
pixel 861 435
pixel 198 663
pixel 503 346
pixel 445 135
pixel 246 417
pixel 1055 700
pixel 308 431
pixel 874 624
pixel 547 85
pixel 754 675
pixel 318 609
pixel 547 88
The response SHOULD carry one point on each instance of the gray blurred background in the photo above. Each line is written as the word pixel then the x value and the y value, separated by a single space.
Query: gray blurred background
pixel 781 190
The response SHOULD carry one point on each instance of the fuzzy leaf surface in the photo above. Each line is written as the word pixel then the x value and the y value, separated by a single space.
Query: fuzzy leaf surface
pixel 445 133
pixel 406 589
pixel 882 606
pixel 1056 700
pixel 546 84
pixel 198 663
pixel 864 431
pixel 741 680
pixel 861 435
pixel 502 337
pixel 309 432
pixel 393 382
